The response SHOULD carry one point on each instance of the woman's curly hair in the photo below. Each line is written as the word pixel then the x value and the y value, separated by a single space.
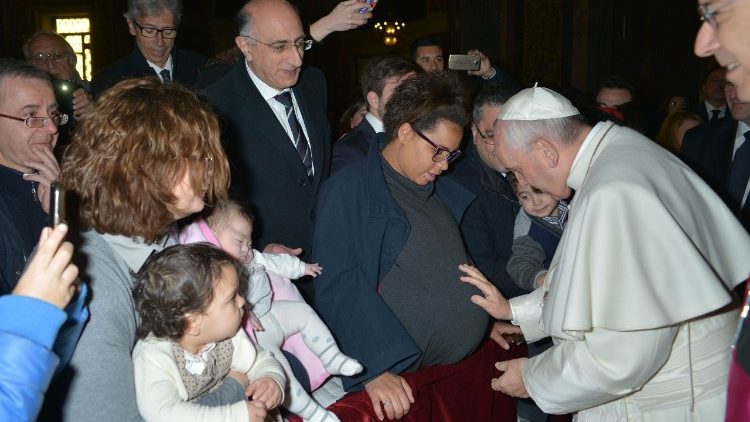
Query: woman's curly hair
pixel 425 100
pixel 131 149
pixel 176 281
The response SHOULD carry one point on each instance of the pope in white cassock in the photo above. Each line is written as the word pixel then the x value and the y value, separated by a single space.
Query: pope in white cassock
pixel 638 296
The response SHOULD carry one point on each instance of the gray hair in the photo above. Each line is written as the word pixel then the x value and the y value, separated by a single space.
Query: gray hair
pixel 14 68
pixel 26 47
pixel 522 133
pixel 154 8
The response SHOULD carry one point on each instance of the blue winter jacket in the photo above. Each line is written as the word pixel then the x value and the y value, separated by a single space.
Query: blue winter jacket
pixel 28 328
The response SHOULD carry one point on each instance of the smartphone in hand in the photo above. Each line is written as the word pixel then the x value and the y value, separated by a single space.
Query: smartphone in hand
pixel 56 205
pixel 364 10
pixel 463 62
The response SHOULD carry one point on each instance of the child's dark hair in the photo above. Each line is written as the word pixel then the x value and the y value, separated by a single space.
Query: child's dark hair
pixel 176 281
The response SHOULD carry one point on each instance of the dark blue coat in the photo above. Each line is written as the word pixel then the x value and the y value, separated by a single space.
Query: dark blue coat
pixel 21 221
pixel 708 150
pixel 353 146
pixel 359 234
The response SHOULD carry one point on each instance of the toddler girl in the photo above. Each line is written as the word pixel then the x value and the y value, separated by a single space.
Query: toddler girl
pixel 190 301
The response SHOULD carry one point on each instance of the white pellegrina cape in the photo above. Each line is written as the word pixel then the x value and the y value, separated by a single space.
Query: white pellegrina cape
pixel 637 293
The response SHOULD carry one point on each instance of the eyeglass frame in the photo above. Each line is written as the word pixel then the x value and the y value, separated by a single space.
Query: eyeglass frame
pixel 709 15
pixel 486 137
pixel 161 31
pixel 452 155
pixel 305 44
pixel 44 58
pixel 208 165
pixel 62 116
pixel 208 161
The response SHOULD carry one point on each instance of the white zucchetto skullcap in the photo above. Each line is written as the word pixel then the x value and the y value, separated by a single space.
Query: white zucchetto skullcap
pixel 537 103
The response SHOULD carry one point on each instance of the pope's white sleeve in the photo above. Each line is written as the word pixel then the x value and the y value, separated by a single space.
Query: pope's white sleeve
pixel 604 366
pixel 527 313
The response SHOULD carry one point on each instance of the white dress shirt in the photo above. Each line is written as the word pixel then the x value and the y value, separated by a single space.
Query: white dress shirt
pixel 268 93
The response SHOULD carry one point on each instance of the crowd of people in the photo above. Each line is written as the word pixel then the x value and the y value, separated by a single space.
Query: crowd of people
pixel 228 257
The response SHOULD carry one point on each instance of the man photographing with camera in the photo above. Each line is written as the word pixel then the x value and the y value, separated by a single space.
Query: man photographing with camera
pixel 49 52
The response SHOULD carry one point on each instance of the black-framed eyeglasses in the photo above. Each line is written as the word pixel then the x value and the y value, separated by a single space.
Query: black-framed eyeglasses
pixel 708 14
pixel 58 119
pixel 441 153
pixel 40 59
pixel 282 47
pixel 487 137
pixel 151 32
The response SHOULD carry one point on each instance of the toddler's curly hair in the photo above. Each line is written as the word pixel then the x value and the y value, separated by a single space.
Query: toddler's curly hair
pixel 176 281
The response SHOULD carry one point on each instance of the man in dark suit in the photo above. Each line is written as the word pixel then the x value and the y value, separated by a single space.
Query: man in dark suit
pixel 714 104
pixel 720 152
pixel 487 226
pixel 153 24
pixel 381 76
pixel 274 125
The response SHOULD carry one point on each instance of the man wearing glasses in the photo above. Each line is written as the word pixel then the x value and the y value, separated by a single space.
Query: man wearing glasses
pixel 724 34
pixel 487 227
pixel 50 52
pixel 29 122
pixel 275 127
pixel 153 24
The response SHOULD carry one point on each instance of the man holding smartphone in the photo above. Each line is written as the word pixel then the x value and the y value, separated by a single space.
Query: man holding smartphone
pixel 428 55
pixel 29 121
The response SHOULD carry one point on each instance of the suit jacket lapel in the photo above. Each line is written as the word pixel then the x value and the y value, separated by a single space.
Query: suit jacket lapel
pixel 257 113
pixel 314 131
pixel 728 150
pixel 139 62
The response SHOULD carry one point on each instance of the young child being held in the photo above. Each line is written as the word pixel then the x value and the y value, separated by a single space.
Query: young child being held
pixel 539 225
pixel 191 305
pixel 280 311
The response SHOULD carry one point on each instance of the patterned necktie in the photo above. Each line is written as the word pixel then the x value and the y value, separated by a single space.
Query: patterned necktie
pixel 715 114
pixel 740 171
pixel 165 76
pixel 298 136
